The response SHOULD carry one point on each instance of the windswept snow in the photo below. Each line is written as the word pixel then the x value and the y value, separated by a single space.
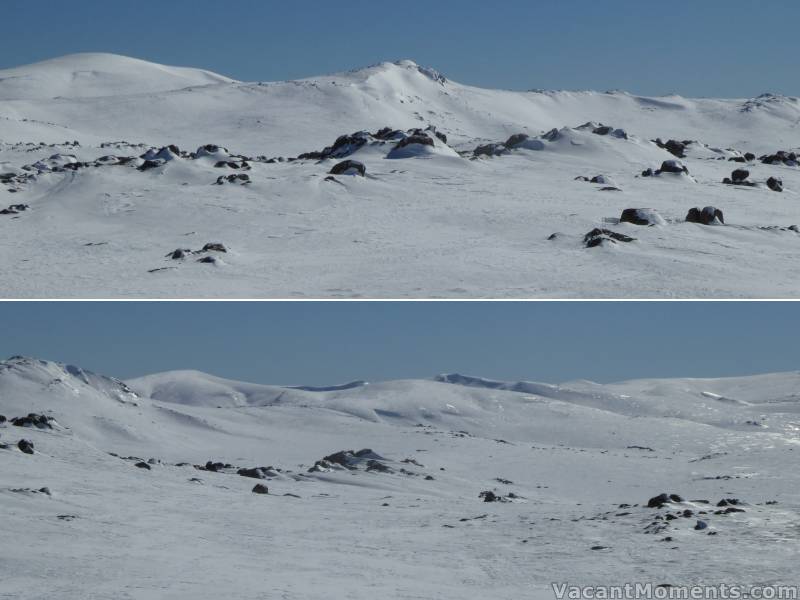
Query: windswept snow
pixel 144 489
pixel 109 164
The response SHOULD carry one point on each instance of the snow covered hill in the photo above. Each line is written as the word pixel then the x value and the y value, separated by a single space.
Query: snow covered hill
pixel 145 488
pixel 109 164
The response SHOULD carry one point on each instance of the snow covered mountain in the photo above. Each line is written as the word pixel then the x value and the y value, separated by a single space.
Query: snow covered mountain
pixel 145 488
pixel 110 164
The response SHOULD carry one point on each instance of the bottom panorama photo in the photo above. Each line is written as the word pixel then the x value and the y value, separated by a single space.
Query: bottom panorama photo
pixel 399 450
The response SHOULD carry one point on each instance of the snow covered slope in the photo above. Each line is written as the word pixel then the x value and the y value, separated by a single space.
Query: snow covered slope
pixel 464 187
pixel 149 485
pixel 94 75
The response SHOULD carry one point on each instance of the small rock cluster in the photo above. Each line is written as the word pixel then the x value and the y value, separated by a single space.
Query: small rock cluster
pixel 181 253
pixel 34 420
pixel 14 209
pixel 668 166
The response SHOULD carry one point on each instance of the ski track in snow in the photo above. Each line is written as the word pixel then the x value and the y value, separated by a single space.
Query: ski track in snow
pixel 437 224
pixel 572 454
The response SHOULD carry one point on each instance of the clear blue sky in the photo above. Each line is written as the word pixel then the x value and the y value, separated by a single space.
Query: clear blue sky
pixel 319 343
pixel 730 48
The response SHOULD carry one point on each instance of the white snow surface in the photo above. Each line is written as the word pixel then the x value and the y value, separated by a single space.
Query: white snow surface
pixel 426 221
pixel 572 454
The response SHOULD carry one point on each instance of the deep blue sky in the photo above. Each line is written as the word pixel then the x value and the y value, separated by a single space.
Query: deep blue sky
pixel 332 342
pixel 730 48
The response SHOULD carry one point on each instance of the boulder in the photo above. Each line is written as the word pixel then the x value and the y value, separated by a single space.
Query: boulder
pixel 739 175
pixel 658 501
pixel 672 166
pixel 214 247
pixel 775 184
pixel 215 466
pixel 260 488
pixel 417 138
pixel 516 140
pixel 598 236
pixel 150 164
pixel 674 147
pixel 490 150
pixel 375 465
pixel 349 167
pixel 142 465
pixel 489 496
pixel 707 216
pixel 254 473
pixel 25 446
pixel 662 499
pixel 33 420
pixel 641 216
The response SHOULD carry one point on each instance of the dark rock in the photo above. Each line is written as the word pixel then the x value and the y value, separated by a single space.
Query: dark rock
pixel 349 167
pixel 387 133
pixel 150 164
pixel 740 175
pixel 672 166
pixel 674 147
pixel 142 465
pixel 729 502
pixel 240 178
pixel 489 496
pixel 442 137
pixel 2 419
pixel 209 260
pixel 25 446
pixel 33 420
pixel 647 173
pixel 490 150
pixel 662 499
pixel 706 216
pixel 749 156
pixel 339 458
pixel 216 466
pixel 775 184
pixel 14 209
pixel 516 139
pixel 256 472
pixel 214 247
pixel 179 253
pixel 701 525
pixel 419 138
pixel 597 236
pixel 375 465
pixel 260 488
pixel 739 159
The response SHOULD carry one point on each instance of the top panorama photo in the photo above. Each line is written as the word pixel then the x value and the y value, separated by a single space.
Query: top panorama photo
pixel 440 177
